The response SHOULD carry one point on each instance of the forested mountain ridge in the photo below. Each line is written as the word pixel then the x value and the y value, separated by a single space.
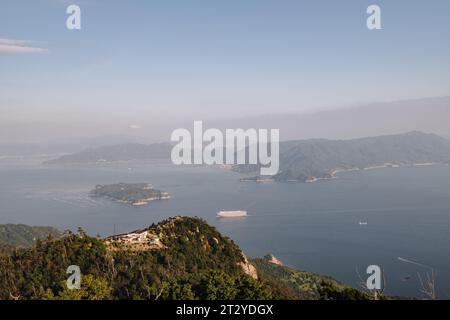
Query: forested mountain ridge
pixel 189 260
pixel 300 160
pixel 309 160
pixel 20 235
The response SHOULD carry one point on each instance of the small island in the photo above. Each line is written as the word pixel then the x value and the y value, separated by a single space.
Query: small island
pixel 136 194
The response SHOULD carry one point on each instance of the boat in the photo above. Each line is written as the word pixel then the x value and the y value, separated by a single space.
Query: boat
pixel 363 223
pixel 232 214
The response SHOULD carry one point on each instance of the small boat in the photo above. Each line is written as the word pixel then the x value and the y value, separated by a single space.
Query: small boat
pixel 232 214
pixel 363 223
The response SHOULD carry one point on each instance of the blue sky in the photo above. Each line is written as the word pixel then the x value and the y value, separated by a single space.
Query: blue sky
pixel 208 58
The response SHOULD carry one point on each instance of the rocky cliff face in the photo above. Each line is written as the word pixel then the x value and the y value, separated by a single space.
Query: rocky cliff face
pixel 272 259
pixel 248 268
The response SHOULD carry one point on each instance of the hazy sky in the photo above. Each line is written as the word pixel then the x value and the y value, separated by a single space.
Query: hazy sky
pixel 140 62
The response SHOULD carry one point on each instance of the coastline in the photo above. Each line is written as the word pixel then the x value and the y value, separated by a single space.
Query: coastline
pixel 333 174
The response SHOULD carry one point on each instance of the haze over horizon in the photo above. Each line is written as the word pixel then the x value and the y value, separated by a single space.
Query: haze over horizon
pixel 429 115
pixel 134 73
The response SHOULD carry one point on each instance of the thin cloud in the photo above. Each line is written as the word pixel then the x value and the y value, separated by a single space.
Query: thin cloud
pixel 20 46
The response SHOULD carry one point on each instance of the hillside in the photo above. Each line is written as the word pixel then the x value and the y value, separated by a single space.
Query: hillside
pixel 114 153
pixel 20 235
pixel 309 160
pixel 179 258
pixel 304 285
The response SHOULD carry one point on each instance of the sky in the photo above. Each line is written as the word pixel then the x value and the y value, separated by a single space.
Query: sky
pixel 137 63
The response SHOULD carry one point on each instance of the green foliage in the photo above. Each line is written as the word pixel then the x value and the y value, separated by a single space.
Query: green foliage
pixel 194 262
pixel 20 235
pixel 287 283
pixel 92 289
pixel 331 290
pixel 29 273
pixel 251 289
pixel 218 286
pixel 177 290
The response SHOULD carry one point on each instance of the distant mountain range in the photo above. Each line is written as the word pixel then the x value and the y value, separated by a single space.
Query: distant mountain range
pixel 310 160
pixel 300 160
pixel 115 153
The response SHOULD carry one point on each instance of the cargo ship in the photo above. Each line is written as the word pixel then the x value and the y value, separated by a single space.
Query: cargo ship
pixel 232 214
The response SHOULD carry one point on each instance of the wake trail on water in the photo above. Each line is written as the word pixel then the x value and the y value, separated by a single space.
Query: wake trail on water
pixel 414 262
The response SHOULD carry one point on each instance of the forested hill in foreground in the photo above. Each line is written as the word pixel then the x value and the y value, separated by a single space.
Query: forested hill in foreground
pixel 309 160
pixel 179 258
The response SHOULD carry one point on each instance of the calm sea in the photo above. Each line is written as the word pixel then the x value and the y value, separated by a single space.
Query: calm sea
pixel 314 227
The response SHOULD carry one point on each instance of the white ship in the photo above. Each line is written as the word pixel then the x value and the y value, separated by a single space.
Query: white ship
pixel 232 214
